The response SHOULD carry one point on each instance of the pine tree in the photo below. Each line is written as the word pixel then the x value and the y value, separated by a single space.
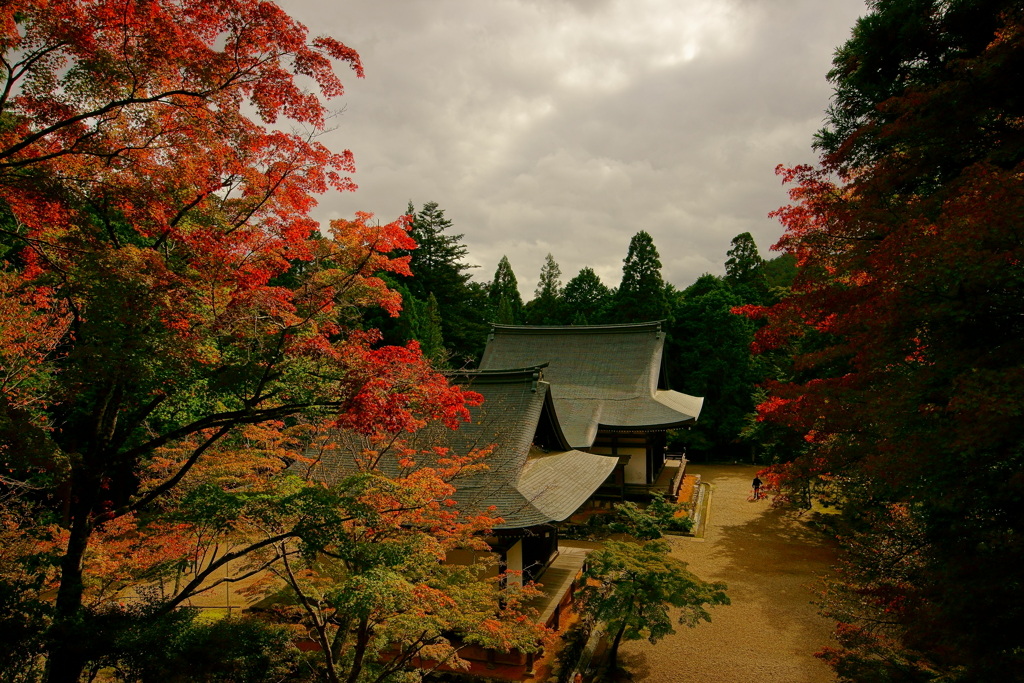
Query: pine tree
pixel 437 262
pixel 504 286
pixel 544 309
pixel 439 269
pixel 641 295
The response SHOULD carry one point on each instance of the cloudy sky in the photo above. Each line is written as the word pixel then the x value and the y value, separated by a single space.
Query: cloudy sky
pixel 565 126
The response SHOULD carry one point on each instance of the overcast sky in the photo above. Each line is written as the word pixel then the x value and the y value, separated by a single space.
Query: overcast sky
pixel 565 126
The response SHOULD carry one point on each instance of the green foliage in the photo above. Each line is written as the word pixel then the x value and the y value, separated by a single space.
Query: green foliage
pixel 646 522
pixel 439 269
pixel 744 270
pixel 903 46
pixel 431 338
pixel 182 649
pixel 386 593
pixel 710 351
pixel 545 308
pixel 780 271
pixel 505 315
pixel 630 587
pixel 586 300
pixel 641 294
pixel 650 522
pixel 504 287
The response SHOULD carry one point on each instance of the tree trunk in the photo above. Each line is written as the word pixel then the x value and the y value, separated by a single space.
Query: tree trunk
pixel 362 640
pixel 67 653
pixel 613 655
pixel 325 644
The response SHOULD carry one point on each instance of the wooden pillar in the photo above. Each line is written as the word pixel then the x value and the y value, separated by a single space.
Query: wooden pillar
pixel 529 663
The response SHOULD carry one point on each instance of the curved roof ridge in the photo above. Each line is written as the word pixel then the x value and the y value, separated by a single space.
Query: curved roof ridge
pixel 529 373
pixel 653 326
pixel 600 375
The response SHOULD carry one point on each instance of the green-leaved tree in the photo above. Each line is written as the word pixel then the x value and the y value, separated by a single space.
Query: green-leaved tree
pixel 709 349
pixel 439 269
pixel 631 586
pixel 744 269
pixel 585 299
pixel 641 295
pixel 505 288
pixel 544 309
pixel 431 336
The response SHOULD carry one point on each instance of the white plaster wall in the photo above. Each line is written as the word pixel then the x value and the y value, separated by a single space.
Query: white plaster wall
pixel 514 563
pixel 636 468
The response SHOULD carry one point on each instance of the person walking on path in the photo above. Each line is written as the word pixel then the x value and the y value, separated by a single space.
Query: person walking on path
pixel 757 487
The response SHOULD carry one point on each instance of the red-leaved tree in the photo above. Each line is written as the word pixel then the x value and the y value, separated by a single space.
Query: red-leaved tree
pixel 907 326
pixel 170 314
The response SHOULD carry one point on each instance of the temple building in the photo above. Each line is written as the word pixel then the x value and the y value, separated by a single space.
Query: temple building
pixel 610 390
pixel 533 478
pixel 570 414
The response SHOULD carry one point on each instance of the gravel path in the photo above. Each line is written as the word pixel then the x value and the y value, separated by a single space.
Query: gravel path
pixel 769 559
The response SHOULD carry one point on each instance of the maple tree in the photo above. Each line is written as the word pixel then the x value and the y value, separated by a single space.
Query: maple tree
pixel 905 329
pixel 630 587
pixel 374 588
pixel 172 322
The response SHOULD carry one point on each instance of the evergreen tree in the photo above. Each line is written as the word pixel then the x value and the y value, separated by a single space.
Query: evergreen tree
pixel 780 271
pixel 709 348
pixel 544 309
pixel 745 271
pixel 431 336
pixel 779 274
pixel 407 326
pixel 439 269
pixel 504 286
pixel 586 298
pixel 641 295
pixel 506 315
pixel 437 262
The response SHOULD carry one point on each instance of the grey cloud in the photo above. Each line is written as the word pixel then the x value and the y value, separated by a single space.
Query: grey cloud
pixel 567 126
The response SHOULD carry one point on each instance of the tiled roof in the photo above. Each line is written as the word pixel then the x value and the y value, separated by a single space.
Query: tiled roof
pixel 609 376
pixel 526 484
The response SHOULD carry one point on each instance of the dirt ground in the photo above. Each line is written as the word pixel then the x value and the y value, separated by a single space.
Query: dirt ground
pixel 769 559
